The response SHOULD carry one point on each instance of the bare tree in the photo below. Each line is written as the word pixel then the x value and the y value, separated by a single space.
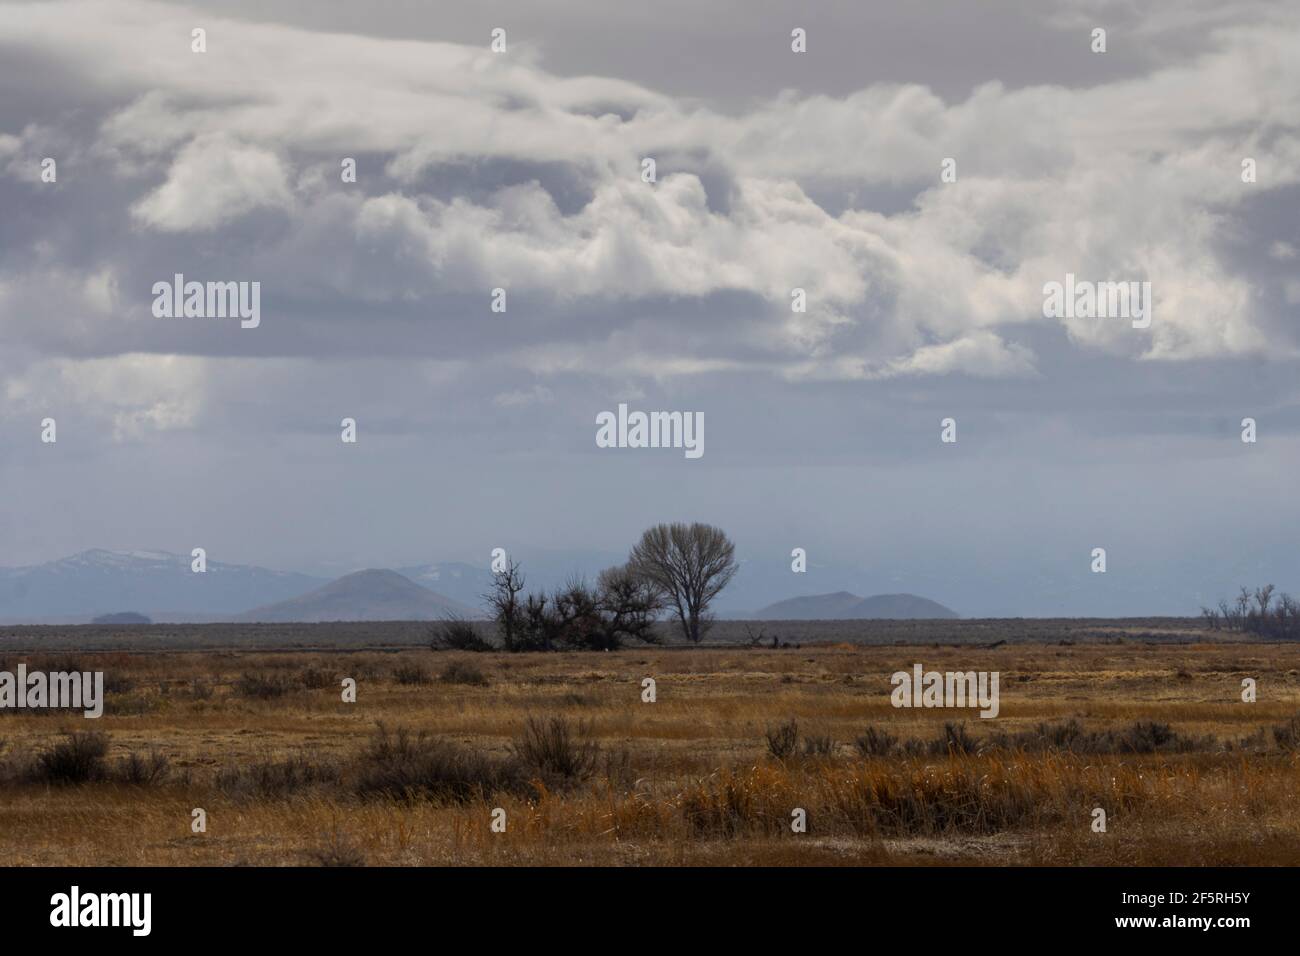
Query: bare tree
pixel 623 605
pixel 1288 614
pixel 690 564
pixel 575 616
pixel 1228 615
pixel 1273 615
pixel 1262 598
pixel 507 609
pixel 629 604
pixel 1243 604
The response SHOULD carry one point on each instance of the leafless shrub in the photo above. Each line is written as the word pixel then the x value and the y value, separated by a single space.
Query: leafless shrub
pixel 818 745
pixel 275 779
pixel 783 739
pixel 411 674
pixel 79 758
pixel 557 748
pixel 463 672
pixel 399 764
pixel 143 770
pixel 955 740
pixel 876 742
pixel 1147 736
pixel 457 634
pixel 1142 737
pixel 1287 736
pixel 1061 735
pixel 337 850
pixel 263 686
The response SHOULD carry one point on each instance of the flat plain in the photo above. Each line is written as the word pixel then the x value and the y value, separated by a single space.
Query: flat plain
pixel 1144 721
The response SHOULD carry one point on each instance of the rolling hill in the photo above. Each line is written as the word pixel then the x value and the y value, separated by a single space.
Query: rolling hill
pixel 371 595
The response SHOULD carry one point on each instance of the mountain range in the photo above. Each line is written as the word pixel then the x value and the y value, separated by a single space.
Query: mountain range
pixel 843 605
pixel 161 586
pixel 155 583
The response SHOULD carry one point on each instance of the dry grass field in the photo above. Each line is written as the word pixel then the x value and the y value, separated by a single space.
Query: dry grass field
pixel 588 773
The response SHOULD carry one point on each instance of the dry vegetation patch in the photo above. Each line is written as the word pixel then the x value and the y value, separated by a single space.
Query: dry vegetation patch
pixel 709 773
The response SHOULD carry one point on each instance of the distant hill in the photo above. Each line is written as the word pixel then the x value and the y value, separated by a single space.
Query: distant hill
pixel 158 583
pixel 841 605
pixel 371 595
pixel 161 585
pixel 123 617
pixel 465 583
pixel 811 607
pixel 902 607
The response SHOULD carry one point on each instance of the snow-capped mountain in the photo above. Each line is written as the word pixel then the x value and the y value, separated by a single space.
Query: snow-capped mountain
pixel 158 584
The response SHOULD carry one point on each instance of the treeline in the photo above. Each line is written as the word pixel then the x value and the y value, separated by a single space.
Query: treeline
pixel 674 568
pixel 1257 612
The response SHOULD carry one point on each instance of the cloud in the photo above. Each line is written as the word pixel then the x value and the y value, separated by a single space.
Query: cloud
pixel 980 353
pixel 127 396
pixel 537 395
pixel 212 181
pixel 1129 179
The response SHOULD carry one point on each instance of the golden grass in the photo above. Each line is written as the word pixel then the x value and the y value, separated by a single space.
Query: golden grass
pixel 686 780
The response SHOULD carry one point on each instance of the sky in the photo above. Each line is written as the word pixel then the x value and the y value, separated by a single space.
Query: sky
pixel 775 170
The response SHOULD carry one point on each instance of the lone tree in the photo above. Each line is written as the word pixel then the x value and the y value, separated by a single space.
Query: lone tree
pixel 690 564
